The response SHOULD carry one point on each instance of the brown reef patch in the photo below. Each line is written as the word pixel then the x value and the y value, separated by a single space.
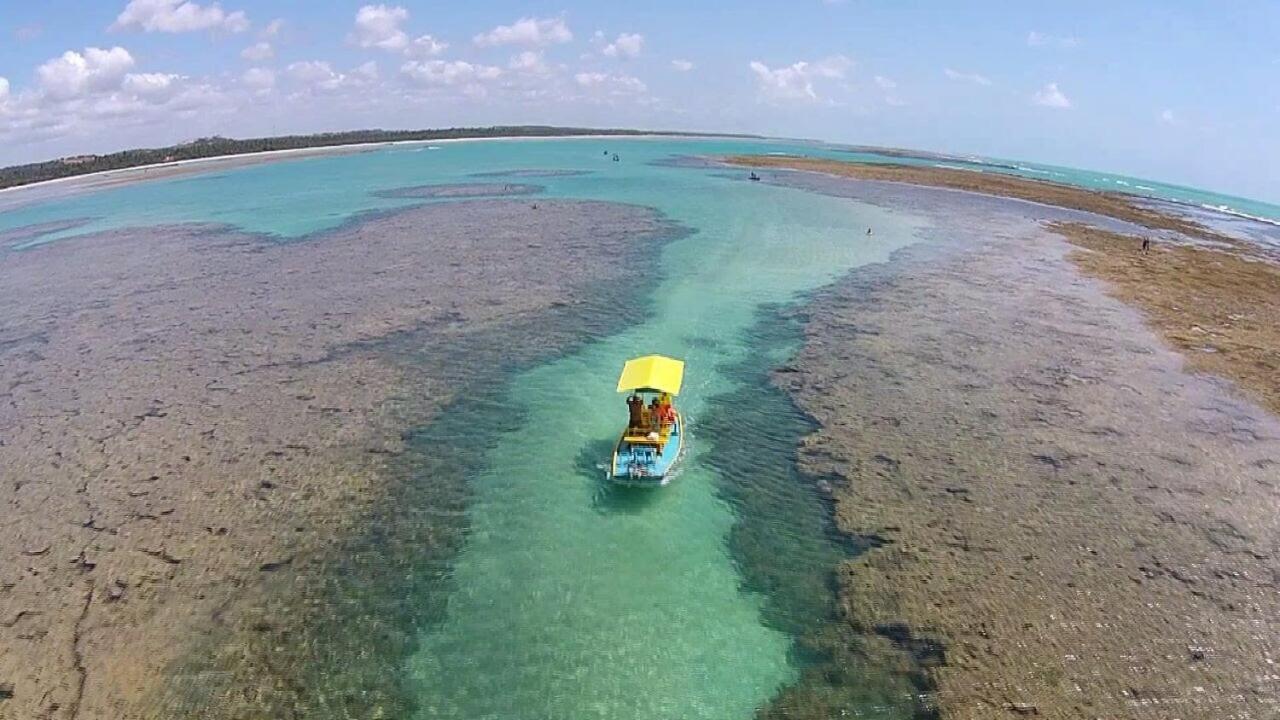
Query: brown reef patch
pixel 1086 529
pixel 1219 307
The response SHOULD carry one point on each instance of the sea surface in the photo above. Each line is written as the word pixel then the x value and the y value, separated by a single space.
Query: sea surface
pixel 570 598
pixel 326 191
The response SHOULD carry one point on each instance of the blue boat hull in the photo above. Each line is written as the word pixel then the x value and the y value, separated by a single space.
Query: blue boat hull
pixel 643 464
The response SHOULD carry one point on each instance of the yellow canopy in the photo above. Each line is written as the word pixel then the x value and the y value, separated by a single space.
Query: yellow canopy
pixel 652 372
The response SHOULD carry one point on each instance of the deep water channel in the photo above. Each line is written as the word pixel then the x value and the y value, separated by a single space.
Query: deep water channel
pixel 571 598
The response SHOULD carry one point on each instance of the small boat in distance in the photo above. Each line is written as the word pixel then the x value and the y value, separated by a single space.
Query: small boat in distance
pixel 615 157
pixel 651 445
pixel 753 177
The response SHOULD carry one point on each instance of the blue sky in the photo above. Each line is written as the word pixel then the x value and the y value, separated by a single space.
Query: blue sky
pixel 1183 92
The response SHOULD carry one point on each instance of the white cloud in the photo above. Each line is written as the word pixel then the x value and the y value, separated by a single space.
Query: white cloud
pixel 885 83
pixel 177 16
pixel 455 72
pixel 74 74
pixel 535 32
pixel 259 79
pixel 378 26
pixel 796 81
pixel 529 62
pixel 319 76
pixel 615 85
pixel 1051 96
pixel 310 71
pixel 1039 39
pixel 426 46
pixel 258 52
pixel 681 65
pixel 1166 116
pixel 627 45
pixel 273 28
pixel 974 78
pixel 366 72
pixel 154 86
pixel 4 90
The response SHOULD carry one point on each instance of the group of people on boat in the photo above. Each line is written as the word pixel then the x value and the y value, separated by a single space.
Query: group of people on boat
pixel 655 417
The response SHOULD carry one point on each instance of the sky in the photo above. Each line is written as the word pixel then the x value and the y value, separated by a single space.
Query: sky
pixel 1171 90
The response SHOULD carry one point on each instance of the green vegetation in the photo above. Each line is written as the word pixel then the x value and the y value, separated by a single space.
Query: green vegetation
pixel 219 146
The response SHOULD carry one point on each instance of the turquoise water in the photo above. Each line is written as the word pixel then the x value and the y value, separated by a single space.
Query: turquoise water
pixel 568 599
pixel 302 196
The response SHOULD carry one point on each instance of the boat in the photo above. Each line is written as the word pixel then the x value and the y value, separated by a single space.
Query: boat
pixel 615 157
pixel 753 177
pixel 650 447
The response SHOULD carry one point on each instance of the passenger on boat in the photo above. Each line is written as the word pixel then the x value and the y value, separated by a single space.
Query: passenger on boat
pixel 635 407
pixel 666 413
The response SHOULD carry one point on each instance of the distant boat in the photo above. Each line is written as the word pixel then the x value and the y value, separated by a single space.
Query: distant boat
pixel 650 446
pixel 753 177
pixel 615 157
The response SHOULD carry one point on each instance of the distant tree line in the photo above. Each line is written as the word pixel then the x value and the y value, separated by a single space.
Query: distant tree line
pixel 219 146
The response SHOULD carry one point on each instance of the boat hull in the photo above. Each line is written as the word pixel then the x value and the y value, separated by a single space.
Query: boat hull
pixel 642 464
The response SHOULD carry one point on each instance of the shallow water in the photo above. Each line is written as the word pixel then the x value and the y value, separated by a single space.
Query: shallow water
pixel 570 598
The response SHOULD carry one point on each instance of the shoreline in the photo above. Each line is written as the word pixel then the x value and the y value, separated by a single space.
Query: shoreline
pixel 322 150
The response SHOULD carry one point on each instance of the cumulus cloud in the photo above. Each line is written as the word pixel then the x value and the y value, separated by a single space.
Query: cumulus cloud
pixel 1039 39
pixel 1050 96
pixel 426 46
pixel 95 92
pixel 154 86
pixel 529 31
pixel 681 65
pixel 258 52
pixel 529 62
pixel 177 16
pixel 442 72
pixel 378 26
pixel 319 76
pixel 4 90
pixel 608 84
pixel 259 79
pixel 310 71
pixel 885 83
pixel 626 45
pixel 273 28
pixel 974 78
pixel 74 74
pixel 796 81
pixel 365 72
pixel 1166 116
